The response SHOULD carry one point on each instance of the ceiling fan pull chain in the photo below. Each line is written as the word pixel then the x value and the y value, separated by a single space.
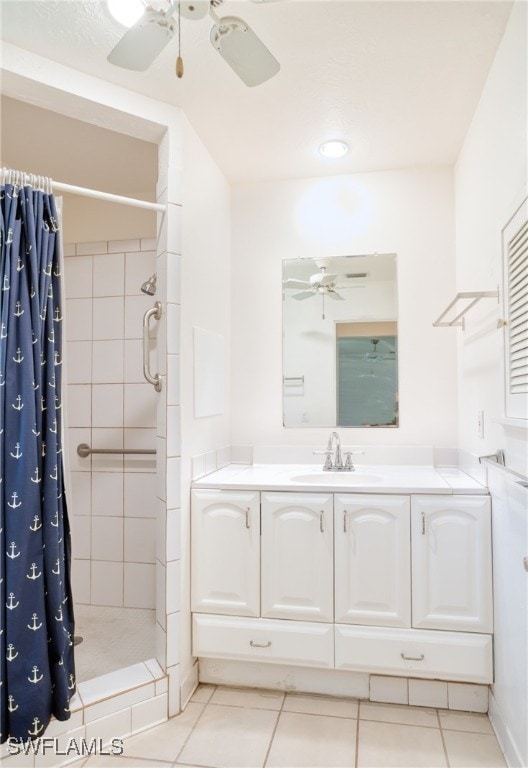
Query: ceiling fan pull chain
pixel 179 60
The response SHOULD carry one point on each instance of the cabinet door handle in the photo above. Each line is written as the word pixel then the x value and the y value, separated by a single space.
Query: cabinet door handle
pixel 345 526
pixel 248 520
pixel 421 657
pixel 423 523
pixel 321 522
pixel 253 644
pixel 525 561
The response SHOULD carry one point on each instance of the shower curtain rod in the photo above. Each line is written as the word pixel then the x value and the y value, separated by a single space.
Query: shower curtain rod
pixel 122 199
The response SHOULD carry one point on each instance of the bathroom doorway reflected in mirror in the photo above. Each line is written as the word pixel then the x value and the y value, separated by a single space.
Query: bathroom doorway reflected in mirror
pixel 340 350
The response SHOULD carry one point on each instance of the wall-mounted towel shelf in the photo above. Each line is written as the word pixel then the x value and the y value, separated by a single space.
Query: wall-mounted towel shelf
pixel 458 320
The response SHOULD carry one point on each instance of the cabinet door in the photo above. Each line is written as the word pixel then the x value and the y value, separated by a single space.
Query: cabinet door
pixel 297 556
pixel 225 568
pixel 372 560
pixel 451 563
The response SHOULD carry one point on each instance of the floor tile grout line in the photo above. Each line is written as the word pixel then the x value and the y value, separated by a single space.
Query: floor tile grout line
pixel 194 726
pixel 356 760
pixel 444 745
pixel 279 713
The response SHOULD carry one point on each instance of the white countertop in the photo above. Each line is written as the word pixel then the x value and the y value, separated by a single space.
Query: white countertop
pixel 370 478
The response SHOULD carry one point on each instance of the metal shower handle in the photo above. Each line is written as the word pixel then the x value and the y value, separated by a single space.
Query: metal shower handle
pixel 154 312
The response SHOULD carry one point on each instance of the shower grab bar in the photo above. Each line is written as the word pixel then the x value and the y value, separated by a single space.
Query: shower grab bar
pixel 84 450
pixel 154 379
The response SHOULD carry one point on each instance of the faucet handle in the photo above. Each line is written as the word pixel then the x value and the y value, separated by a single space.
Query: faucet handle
pixel 349 467
pixel 328 460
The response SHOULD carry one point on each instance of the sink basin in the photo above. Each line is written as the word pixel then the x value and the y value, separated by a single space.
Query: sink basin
pixel 337 478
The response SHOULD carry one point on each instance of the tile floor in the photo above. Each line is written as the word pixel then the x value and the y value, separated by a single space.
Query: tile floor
pixel 237 728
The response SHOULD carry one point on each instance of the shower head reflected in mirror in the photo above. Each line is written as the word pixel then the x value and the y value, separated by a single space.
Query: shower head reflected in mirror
pixel 149 286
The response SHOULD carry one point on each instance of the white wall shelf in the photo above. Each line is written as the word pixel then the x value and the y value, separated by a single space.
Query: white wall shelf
pixel 458 320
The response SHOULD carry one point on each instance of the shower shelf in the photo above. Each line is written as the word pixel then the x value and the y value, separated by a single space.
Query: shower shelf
pixel 458 320
pixel 84 450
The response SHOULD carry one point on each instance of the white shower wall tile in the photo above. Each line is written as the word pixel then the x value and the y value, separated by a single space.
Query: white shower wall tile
pixel 135 308
pixel 79 319
pixel 75 462
pixel 173 634
pixel 173 430
pixel 161 532
pixel 149 713
pixel 173 483
pixel 81 575
pixel 84 249
pixel 109 438
pixel 133 372
pixel 78 276
pixel 140 585
pixel 79 362
pixel 140 545
pixel 107 362
pixel 161 645
pixel 69 249
pixel 173 535
pixel 107 405
pixel 140 405
pixel 107 583
pixel 161 608
pixel 80 501
pixel 139 266
pixel 149 244
pixel 123 246
pixel 79 405
pixel 173 597
pixel 81 536
pixel 173 280
pixel 173 329
pixel 107 494
pixel 107 538
pixel 173 380
pixel 108 274
pixel 140 494
pixel 108 318
pixel 174 690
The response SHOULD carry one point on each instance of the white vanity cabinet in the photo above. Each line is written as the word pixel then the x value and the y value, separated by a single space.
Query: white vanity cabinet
pixel 451 563
pixel 297 556
pixel 395 584
pixel 372 560
pixel 225 552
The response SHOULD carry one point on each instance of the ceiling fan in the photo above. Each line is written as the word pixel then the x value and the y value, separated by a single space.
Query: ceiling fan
pixel 320 282
pixel 231 36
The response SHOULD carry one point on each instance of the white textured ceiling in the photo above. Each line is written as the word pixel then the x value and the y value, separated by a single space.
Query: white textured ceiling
pixel 398 81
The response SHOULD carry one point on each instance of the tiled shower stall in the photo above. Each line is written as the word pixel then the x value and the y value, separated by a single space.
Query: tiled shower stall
pixel 109 405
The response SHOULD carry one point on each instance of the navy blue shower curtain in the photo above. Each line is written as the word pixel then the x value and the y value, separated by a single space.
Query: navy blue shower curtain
pixel 36 610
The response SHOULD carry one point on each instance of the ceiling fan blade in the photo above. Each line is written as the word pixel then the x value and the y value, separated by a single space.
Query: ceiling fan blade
pixel 333 295
pixel 303 295
pixel 143 42
pixel 291 282
pixel 245 53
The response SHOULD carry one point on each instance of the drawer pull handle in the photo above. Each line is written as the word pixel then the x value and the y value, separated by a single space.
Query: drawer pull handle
pixel 421 657
pixel 248 521
pixel 253 644
pixel 525 561
pixel 423 523
pixel 345 526
pixel 321 522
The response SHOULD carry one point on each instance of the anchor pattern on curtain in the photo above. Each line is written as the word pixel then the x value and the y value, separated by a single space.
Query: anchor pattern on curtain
pixel 36 633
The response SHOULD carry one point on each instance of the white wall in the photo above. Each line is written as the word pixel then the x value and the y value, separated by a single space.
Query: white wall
pixel 407 212
pixel 490 182
pixel 205 301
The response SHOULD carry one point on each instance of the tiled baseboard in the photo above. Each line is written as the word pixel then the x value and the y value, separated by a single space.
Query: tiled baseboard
pixel 466 697
pixel 112 706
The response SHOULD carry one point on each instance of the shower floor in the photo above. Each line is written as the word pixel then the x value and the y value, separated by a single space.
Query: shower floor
pixel 112 638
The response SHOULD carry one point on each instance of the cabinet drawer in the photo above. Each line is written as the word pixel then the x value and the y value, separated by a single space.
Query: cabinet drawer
pixel 300 643
pixel 415 653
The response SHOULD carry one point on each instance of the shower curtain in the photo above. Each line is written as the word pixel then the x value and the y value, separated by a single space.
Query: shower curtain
pixel 36 608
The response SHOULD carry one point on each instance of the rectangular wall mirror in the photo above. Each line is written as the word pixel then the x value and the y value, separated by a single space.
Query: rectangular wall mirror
pixel 340 341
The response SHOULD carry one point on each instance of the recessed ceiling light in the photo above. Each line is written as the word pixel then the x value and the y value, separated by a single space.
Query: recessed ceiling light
pixel 126 12
pixel 333 149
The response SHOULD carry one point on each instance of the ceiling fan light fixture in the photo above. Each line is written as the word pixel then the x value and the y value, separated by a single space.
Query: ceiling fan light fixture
pixel 126 12
pixel 333 149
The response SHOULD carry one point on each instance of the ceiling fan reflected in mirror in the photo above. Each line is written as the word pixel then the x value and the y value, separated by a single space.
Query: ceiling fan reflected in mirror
pixel 158 23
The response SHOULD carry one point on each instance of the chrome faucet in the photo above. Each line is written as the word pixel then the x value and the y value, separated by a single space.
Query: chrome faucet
pixel 337 463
